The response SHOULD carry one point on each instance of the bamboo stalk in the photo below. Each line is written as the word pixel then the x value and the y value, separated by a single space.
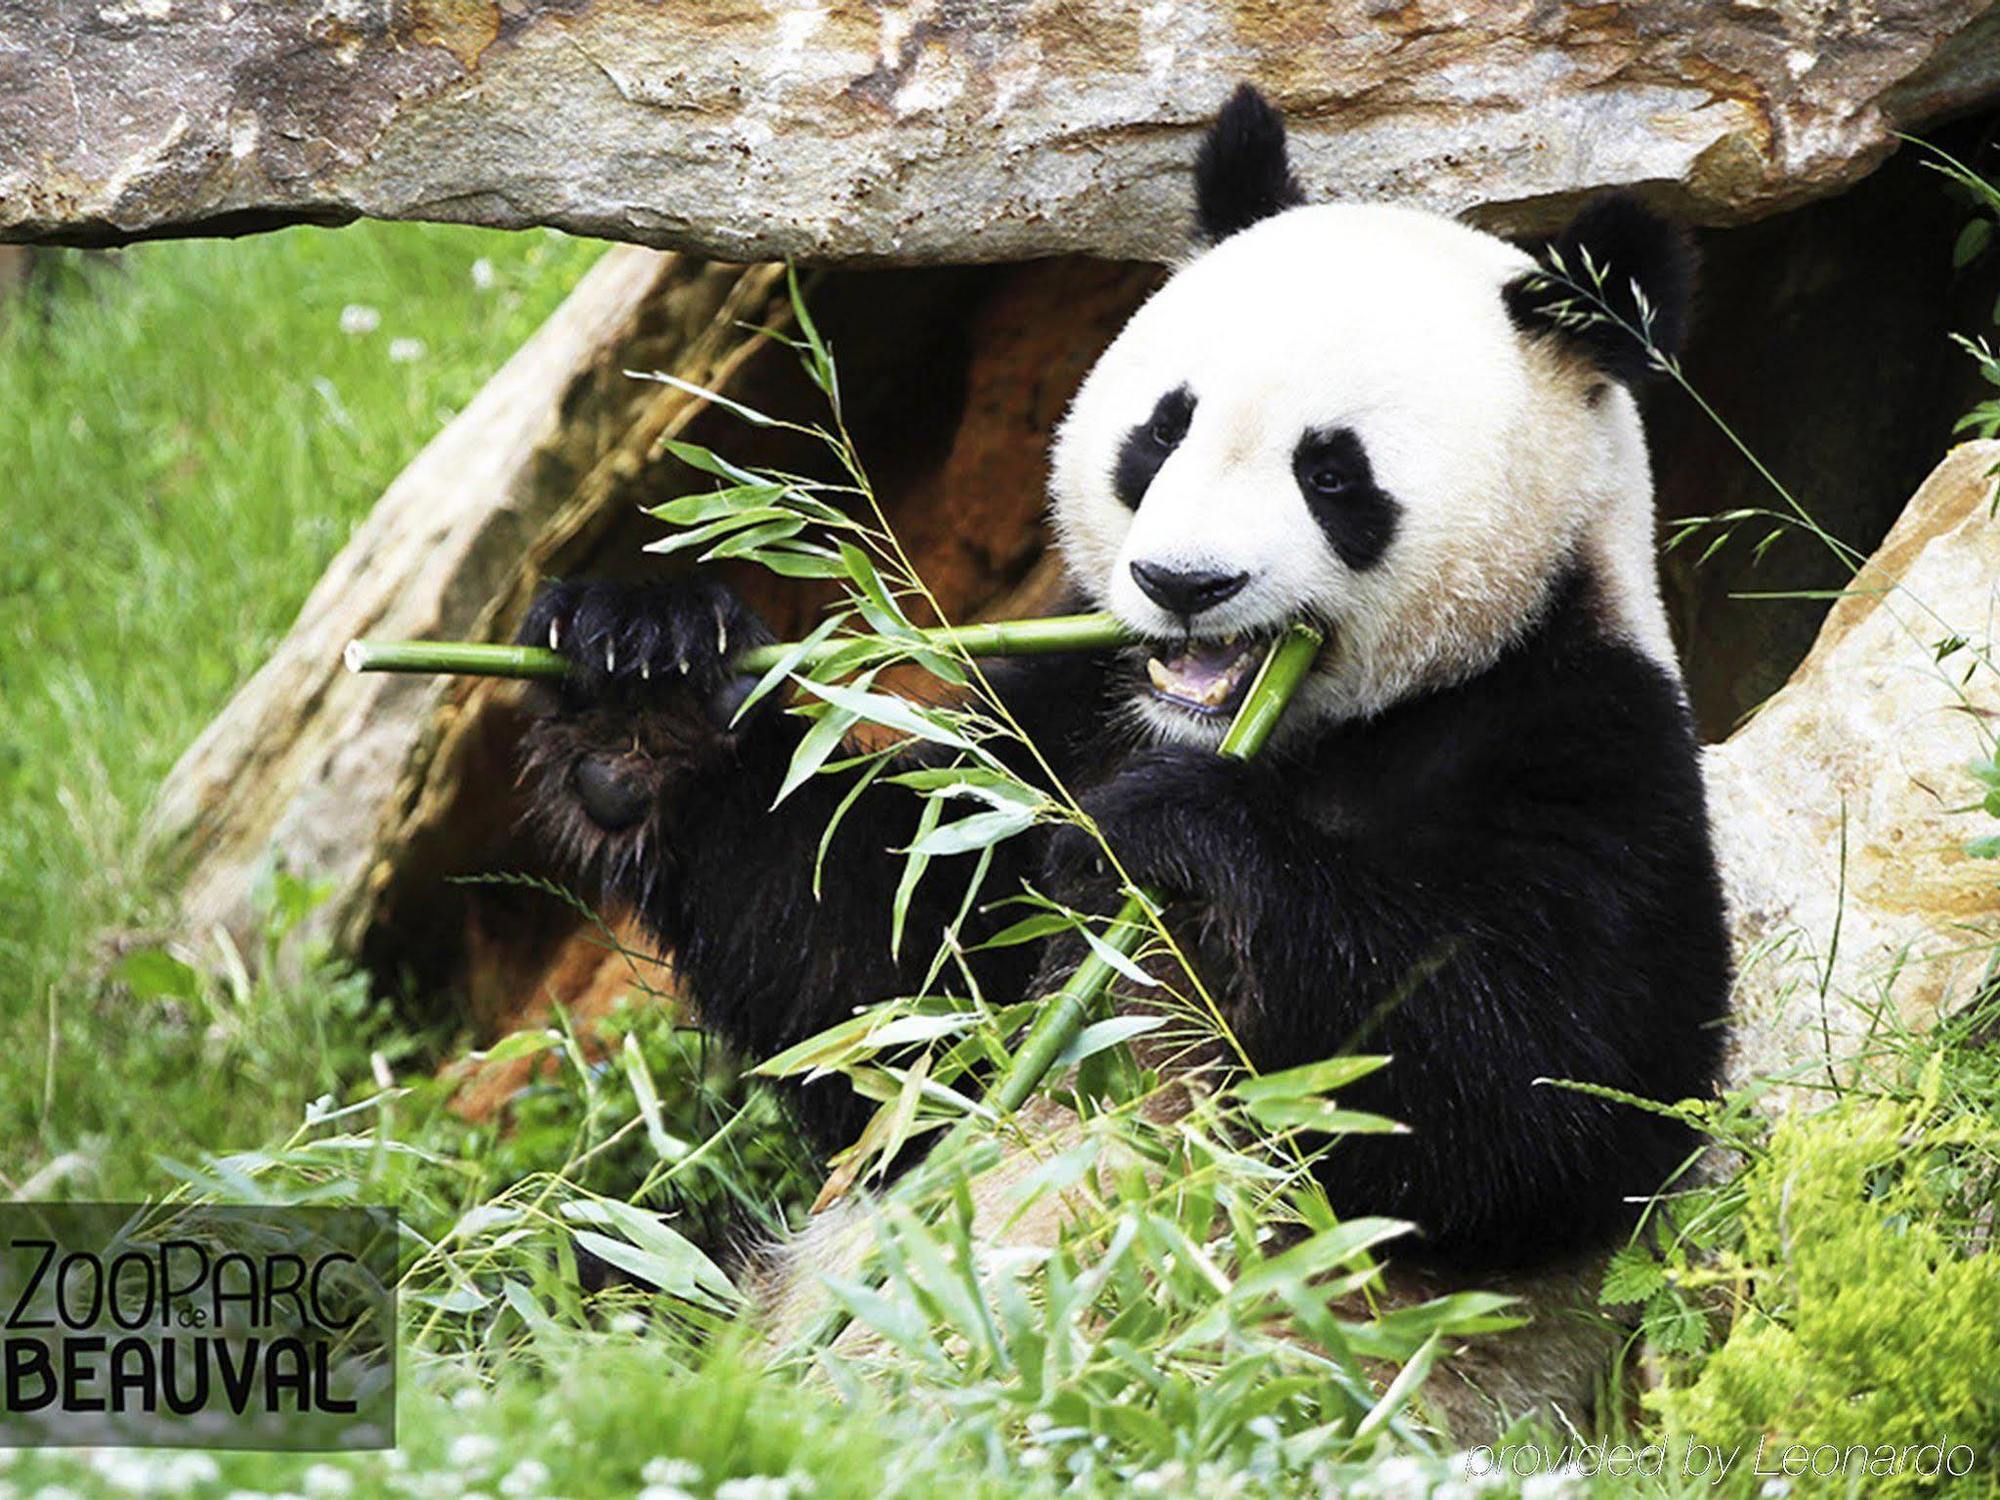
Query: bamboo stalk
pixel 1062 1015
pixel 1043 637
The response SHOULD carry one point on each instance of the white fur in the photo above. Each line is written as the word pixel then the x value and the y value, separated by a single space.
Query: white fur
pixel 1508 455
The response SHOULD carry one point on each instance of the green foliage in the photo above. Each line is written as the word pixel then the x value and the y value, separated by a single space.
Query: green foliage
pixel 189 434
pixel 1865 1291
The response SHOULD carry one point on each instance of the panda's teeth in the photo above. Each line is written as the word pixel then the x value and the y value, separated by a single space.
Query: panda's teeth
pixel 1160 676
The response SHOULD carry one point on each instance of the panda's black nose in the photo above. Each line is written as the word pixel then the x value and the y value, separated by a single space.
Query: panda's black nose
pixel 1186 591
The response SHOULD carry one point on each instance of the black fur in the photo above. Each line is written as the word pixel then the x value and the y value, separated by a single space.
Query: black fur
pixel 1358 516
pixel 1241 173
pixel 1147 446
pixel 1629 245
pixel 1505 881
pixel 716 873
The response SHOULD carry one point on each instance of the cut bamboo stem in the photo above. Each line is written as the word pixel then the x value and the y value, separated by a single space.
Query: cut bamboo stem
pixel 1044 637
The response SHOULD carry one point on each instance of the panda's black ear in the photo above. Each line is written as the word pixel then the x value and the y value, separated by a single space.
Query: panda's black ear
pixel 1618 268
pixel 1241 174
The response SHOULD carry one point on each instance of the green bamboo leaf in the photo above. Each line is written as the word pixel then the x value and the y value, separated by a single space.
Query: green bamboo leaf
pixel 803 561
pixel 672 1262
pixel 1398 1392
pixel 709 462
pixel 1972 240
pixel 698 536
pixel 827 1049
pixel 1030 929
pixel 788 662
pixel 714 397
pixel 913 871
pixel 520 1044
pixel 1309 1080
pixel 1321 1115
pixel 980 831
pixel 1100 1036
pixel 1117 958
pixel 155 974
pixel 692 510
pixel 889 711
pixel 744 543
pixel 816 356
pixel 878 606
pixel 665 1146
pixel 815 747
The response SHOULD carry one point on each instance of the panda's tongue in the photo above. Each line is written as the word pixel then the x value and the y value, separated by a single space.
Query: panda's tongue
pixel 1207 676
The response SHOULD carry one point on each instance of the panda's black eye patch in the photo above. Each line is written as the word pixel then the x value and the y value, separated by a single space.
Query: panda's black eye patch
pixel 1334 475
pixel 1147 446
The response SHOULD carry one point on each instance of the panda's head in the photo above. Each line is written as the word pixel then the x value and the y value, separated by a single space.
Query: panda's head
pixel 1370 417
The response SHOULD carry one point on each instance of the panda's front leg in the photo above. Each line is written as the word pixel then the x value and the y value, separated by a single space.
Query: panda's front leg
pixel 643 718
pixel 1189 823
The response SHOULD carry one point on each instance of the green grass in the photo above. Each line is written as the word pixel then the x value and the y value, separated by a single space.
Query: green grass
pixel 188 435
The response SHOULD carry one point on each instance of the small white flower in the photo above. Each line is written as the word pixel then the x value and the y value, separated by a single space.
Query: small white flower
pixel 755 1487
pixel 1548 1487
pixel 405 351
pixel 186 1470
pixel 482 274
pixel 467 1398
pixel 1401 1478
pixel 1776 1489
pixel 671 1471
pixel 325 1482
pixel 121 1471
pixel 1032 1458
pixel 358 318
pixel 471 1450
pixel 528 1477
pixel 627 1323
pixel 664 1492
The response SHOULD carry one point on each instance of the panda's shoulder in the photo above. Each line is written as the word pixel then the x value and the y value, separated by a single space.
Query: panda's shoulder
pixel 1574 718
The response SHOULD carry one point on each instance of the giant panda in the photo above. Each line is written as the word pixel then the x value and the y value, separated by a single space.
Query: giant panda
pixel 1479 842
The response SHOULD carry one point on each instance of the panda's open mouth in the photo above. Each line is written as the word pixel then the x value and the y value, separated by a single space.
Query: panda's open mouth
pixel 1205 677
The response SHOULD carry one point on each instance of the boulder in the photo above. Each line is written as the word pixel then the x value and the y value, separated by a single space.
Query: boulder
pixel 1844 807
pixel 930 132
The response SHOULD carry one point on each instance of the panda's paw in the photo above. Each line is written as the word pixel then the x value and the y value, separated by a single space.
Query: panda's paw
pixel 647 646
pixel 647 710
pixel 1179 820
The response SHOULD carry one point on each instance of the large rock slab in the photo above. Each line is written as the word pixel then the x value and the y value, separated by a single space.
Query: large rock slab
pixel 320 771
pixel 934 131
